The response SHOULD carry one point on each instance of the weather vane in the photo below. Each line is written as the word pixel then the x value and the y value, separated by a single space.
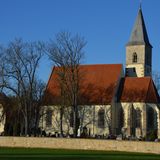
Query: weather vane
pixel 140 1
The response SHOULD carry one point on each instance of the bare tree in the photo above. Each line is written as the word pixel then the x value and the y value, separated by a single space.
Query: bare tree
pixel 156 79
pixel 66 52
pixel 18 73
pixel 108 118
pixel 86 115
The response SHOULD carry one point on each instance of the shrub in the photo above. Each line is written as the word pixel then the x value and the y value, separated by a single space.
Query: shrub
pixel 152 135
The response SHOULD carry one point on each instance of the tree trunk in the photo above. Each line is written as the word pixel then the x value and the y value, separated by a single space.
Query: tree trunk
pixel 25 126
pixel 75 121
pixel 61 121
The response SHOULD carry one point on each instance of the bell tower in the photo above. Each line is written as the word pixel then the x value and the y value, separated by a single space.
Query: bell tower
pixel 139 50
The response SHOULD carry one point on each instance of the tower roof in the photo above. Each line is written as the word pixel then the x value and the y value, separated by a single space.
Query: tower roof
pixel 139 33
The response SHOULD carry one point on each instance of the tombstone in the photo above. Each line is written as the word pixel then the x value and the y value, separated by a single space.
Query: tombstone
pixel 79 132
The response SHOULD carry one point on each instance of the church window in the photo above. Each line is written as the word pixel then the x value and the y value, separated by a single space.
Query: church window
pixel 150 119
pixel 134 59
pixel 132 117
pixel 121 117
pixel 49 113
pixel 138 118
pixel 71 119
pixel 101 118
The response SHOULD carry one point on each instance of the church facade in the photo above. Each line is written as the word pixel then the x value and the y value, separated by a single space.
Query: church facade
pixel 114 101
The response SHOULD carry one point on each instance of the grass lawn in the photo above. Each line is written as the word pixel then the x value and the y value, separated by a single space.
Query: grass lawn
pixel 55 154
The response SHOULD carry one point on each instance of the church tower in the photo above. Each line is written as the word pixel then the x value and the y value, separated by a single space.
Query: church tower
pixel 139 50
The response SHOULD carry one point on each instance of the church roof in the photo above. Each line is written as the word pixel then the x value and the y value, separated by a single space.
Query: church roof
pixel 139 33
pixel 135 89
pixel 97 84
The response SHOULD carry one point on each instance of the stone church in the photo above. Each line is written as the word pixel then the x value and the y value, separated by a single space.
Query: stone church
pixel 114 101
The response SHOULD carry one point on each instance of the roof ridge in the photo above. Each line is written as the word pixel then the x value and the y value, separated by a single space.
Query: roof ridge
pixel 119 64
pixel 138 77
pixel 53 68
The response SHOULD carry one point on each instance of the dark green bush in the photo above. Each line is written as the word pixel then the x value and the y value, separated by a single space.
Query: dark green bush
pixel 151 135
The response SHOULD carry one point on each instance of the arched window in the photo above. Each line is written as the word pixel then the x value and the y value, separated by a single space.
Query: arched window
pixel 121 117
pixel 132 117
pixel 150 119
pixel 71 119
pixel 49 113
pixel 138 118
pixel 101 118
pixel 134 59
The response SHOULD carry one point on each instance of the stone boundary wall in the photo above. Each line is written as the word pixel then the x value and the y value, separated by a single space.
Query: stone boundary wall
pixel 82 144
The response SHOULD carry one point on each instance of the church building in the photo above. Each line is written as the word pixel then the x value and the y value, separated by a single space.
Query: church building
pixel 115 101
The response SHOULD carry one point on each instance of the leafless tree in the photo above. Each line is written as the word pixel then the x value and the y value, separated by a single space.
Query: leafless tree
pixel 18 77
pixel 108 118
pixel 156 79
pixel 66 52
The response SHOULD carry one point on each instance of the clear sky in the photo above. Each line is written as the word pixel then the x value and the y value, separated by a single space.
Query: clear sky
pixel 105 24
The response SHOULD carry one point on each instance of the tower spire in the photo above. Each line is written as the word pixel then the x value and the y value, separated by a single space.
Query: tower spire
pixel 139 33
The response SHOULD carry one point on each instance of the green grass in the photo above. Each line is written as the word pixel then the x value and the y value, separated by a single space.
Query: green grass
pixel 59 154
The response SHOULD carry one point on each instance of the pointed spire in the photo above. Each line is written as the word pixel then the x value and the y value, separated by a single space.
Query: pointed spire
pixel 139 32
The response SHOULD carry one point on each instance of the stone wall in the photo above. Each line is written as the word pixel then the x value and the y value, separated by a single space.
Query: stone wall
pixel 84 144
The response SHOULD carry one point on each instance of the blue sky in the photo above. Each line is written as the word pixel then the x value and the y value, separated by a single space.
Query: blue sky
pixel 105 24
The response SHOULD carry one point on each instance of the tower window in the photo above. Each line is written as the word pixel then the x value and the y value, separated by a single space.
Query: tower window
pixel 134 60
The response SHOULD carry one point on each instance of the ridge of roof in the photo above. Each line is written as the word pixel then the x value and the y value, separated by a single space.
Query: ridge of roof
pixel 138 78
pixel 84 65
pixel 50 77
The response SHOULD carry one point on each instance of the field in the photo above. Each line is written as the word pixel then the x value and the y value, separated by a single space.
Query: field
pixel 52 154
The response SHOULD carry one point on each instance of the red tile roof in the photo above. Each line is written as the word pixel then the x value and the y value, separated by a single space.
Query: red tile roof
pixel 135 89
pixel 97 84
